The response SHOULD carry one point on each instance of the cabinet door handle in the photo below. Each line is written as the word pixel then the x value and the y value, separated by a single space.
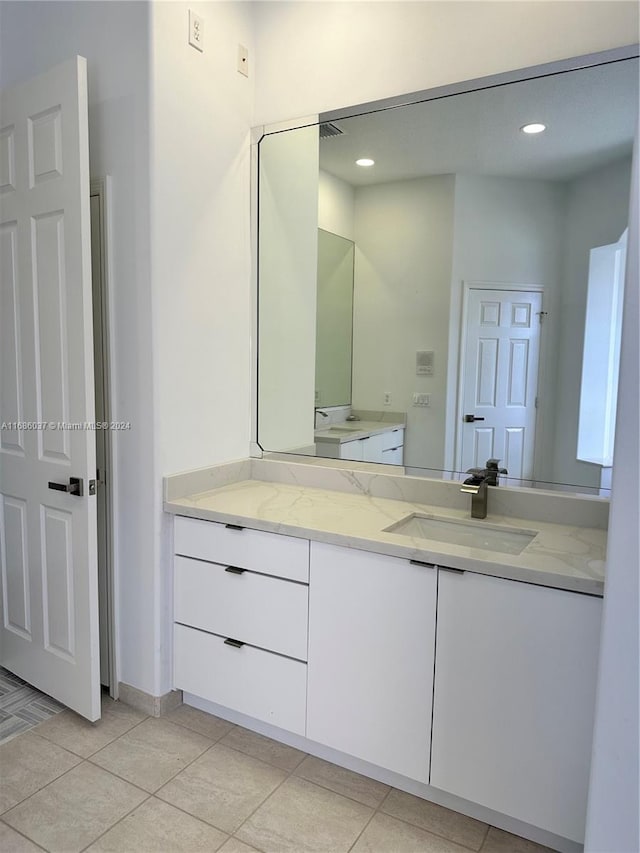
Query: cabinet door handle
pixel 237 644
pixel 423 564
pixel 366 438
pixel 234 527
pixel 452 571
pixel 234 570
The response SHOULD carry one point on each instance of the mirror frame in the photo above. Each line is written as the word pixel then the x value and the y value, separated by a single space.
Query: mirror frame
pixel 548 69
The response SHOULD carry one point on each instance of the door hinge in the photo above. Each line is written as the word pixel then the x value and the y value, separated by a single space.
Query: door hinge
pixel 536 403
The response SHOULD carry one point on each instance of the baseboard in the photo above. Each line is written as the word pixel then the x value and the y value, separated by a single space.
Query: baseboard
pixel 154 706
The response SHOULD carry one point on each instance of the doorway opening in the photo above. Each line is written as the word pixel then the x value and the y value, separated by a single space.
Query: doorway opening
pixel 100 270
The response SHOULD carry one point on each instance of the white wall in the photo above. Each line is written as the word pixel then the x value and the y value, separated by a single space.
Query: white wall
pixel 315 56
pixel 612 819
pixel 597 214
pixel 404 244
pixel 510 230
pixel 200 174
pixel 114 39
pixel 336 205
pixel 288 269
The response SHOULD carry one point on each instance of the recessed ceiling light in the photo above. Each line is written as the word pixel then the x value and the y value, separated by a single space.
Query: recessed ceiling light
pixel 535 127
pixel 365 161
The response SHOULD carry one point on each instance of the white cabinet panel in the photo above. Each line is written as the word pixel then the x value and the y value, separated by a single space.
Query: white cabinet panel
pixel 514 698
pixel 257 609
pixel 268 553
pixel 371 648
pixel 260 684
pixel 392 438
pixel 352 450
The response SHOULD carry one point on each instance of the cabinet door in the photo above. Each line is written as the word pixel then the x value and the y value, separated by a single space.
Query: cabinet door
pixel 514 698
pixel 372 451
pixel 352 450
pixel 371 647
pixel 392 456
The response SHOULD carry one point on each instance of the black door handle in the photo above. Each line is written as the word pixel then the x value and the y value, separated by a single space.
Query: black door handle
pixel 73 487
pixel 237 644
pixel 469 419
pixel 234 570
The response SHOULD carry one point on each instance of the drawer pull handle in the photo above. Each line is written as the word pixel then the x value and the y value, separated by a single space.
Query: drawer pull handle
pixel 234 527
pixel 422 563
pixel 235 643
pixel 453 571
pixel 234 570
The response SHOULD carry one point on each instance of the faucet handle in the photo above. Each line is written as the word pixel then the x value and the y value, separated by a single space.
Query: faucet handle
pixel 477 472
pixel 492 465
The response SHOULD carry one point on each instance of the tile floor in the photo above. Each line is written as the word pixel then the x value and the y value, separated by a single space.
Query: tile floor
pixel 22 706
pixel 192 782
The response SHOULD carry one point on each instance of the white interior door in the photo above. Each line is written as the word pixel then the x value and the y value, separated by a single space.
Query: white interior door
pixel 500 379
pixel 49 630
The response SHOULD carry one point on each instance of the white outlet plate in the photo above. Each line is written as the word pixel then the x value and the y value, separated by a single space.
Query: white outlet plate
pixel 243 60
pixel 196 31
pixel 387 398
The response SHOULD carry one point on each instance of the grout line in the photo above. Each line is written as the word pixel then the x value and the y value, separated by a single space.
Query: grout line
pixel 486 835
pixel 124 817
pixel 18 832
pixel 363 830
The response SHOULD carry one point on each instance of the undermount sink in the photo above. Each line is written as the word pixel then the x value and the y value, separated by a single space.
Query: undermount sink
pixel 342 430
pixel 489 537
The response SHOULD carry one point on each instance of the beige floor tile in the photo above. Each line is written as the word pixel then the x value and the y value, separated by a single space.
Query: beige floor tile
pixel 156 826
pixel 279 754
pixel 84 738
pixel 198 721
pixel 498 841
pixel 433 818
pixel 12 842
pixel 234 845
pixel 74 810
pixel 151 753
pixel 300 817
pixel 223 787
pixel 342 781
pixel 29 763
pixel 385 834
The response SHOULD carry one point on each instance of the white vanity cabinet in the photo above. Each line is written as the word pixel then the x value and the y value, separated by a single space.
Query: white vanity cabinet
pixel 384 447
pixel 514 698
pixel 241 614
pixel 371 654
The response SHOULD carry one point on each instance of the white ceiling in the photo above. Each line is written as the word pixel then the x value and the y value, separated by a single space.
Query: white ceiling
pixel 591 116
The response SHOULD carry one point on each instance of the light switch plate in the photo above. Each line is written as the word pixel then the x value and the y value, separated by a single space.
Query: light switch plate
pixel 196 31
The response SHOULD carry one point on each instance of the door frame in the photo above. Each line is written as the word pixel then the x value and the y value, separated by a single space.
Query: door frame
pixel 467 287
pixel 101 188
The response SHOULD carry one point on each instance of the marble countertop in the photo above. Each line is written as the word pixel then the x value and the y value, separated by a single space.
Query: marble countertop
pixel 353 430
pixel 561 556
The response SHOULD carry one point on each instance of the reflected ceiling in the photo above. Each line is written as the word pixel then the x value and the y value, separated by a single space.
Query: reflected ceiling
pixel 587 114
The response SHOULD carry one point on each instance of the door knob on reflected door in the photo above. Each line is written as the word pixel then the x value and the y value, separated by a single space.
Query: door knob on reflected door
pixel 469 419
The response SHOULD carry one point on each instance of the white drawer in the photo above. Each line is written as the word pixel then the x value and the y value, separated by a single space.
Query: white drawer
pixel 257 609
pixel 267 553
pixel 254 682
pixel 392 438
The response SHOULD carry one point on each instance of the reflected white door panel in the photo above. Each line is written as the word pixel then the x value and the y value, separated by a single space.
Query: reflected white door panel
pixel 501 352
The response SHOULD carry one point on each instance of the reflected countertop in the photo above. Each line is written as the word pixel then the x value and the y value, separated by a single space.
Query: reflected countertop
pixel 354 430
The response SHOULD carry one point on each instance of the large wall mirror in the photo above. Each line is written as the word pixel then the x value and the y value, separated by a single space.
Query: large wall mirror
pixel 466 285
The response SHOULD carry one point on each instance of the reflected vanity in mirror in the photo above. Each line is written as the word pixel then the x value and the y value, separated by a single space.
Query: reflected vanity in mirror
pixel 443 291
